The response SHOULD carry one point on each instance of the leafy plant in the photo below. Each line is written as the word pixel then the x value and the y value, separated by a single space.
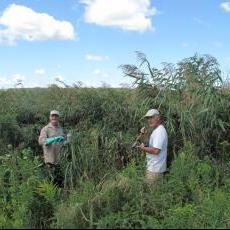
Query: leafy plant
pixel 104 178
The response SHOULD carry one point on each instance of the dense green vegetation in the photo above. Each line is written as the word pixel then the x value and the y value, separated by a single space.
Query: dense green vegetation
pixel 104 178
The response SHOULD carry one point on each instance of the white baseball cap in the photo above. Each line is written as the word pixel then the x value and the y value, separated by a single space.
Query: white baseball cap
pixel 54 112
pixel 152 112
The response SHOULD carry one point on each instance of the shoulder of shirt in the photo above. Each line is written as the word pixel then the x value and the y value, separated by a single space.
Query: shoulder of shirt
pixel 160 128
pixel 48 126
pixel 51 126
pixel 45 127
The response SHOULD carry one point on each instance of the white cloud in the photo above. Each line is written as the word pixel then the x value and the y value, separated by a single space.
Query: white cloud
pixel 134 15
pixel 100 73
pixel 225 6
pixel 40 71
pixel 94 57
pixel 18 78
pixel 35 85
pixel 4 82
pixel 23 23
pixel 59 78
pixel 7 82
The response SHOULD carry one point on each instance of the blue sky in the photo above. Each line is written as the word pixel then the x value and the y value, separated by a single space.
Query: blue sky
pixel 86 40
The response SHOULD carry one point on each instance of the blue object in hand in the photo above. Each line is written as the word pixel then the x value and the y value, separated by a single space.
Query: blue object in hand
pixel 51 140
pixel 60 139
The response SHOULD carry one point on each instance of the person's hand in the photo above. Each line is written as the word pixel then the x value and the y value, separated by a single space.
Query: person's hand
pixel 141 147
pixel 51 140
pixel 143 130
pixel 69 137
pixel 59 139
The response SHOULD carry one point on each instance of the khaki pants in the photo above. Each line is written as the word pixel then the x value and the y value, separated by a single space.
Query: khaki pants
pixel 152 177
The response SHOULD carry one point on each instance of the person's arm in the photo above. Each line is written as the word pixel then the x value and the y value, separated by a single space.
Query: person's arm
pixel 42 137
pixel 156 143
pixel 57 139
pixel 68 138
pixel 150 150
pixel 65 136
pixel 144 135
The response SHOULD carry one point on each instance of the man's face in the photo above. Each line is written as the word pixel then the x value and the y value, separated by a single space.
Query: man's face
pixel 153 121
pixel 54 119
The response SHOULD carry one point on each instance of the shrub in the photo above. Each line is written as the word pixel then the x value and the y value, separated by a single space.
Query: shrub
pixel 104 178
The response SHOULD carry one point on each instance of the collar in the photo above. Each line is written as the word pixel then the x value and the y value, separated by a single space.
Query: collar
pixel 52 126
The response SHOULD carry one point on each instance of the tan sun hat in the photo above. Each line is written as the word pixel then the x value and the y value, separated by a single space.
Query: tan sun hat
pixel 152 113
pixel 54 112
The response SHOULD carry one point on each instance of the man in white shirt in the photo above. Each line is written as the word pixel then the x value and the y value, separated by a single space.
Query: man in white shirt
pixel 156 152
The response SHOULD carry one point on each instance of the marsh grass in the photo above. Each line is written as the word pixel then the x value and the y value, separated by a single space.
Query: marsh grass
pixel 104 178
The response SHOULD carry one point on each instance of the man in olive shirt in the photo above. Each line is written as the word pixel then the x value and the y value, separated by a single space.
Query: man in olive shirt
pixel 51 138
